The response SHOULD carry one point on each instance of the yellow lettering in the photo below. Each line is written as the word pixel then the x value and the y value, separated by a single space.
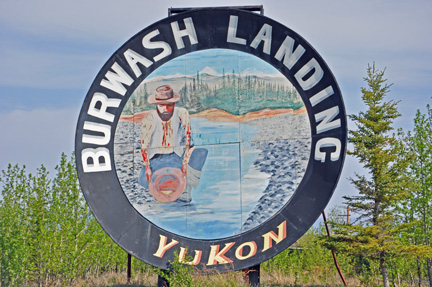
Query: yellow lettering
pixel 163 247
pixel 270 236
pixel 195 261
pixel 217 256
pixel 252 250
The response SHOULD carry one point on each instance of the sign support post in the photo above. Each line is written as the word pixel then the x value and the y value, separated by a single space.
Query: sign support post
pixel 252 275
pixel 162 282
pixel 129 268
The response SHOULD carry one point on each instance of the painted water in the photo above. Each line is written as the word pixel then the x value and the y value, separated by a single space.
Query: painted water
pixel 245 179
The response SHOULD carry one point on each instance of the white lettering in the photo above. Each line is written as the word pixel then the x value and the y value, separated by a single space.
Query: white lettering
pixel 313 79
pixel 97 140
pixel 325 143
pixel 321 96
pixel 326 117
pixel 99 159
pixel 286 51
pixel 102 113
pixel 166 48
pixel 265 34
pixel 133 58
pixel 115 80
pixel 232 31
pixel 179 34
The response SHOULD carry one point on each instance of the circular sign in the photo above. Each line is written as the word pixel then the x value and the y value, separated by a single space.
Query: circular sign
pixel 216 133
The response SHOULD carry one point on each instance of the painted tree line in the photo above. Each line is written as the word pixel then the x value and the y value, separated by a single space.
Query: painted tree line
pixel 48 235
pixel 233 93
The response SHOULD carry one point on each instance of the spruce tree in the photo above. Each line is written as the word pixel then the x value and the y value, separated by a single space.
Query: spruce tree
pixel 382 187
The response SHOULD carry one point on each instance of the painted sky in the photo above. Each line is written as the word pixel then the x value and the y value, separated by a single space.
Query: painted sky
pixel 217 62
pixel 50 52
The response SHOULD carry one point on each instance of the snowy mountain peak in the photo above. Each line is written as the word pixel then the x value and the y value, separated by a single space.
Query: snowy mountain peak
pixel 255 72
pixel 209 71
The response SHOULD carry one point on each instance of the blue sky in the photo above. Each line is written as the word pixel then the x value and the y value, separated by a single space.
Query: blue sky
pixel 218 60
pixel 50 52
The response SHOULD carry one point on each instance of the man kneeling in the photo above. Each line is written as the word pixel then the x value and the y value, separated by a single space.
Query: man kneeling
pixel 166 147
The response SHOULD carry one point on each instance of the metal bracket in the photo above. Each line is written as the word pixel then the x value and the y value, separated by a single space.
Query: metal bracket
pixel 255 8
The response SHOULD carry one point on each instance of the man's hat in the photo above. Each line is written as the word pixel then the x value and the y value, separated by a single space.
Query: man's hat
pixel 164 95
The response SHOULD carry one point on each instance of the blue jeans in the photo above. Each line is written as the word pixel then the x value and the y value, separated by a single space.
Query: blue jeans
pixel 196 161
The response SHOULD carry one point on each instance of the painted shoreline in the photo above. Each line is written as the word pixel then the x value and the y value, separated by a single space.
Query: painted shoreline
pixel 284 155
pixel 283 145
pixel 216 115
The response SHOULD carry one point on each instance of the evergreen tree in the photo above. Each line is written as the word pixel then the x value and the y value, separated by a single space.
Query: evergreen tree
pixel 376 236
pixel 374 148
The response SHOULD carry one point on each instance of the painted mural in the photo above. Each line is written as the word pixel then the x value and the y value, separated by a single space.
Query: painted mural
pixel 212 144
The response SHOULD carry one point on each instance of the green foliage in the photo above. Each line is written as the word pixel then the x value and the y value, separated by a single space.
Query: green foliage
pixel 48 236
pixel 13 238
pixel 418 145
pixel 309 262
pixel 178 274
pixel 72 245
pixel 377 150
pixel 417 208
pixel 47 233
pixel 383 188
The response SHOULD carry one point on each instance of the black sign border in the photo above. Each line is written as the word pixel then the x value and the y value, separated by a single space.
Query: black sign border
pixel 140 237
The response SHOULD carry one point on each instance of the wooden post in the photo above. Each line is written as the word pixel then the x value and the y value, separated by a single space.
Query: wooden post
pixel 252 275
pixel 129 268
pixel 348 214
pixel 333 253
pixel 162 282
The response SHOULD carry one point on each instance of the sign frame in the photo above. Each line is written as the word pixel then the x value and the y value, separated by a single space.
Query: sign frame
pixel 167 39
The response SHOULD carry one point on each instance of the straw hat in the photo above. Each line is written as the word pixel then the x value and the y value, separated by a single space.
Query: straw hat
pixel 164 95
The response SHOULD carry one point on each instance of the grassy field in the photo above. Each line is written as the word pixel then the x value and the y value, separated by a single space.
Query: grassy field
pixel 274 279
